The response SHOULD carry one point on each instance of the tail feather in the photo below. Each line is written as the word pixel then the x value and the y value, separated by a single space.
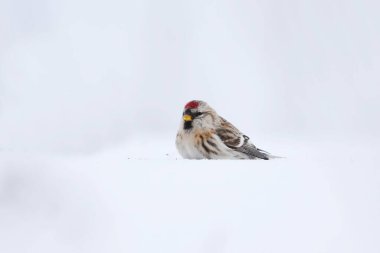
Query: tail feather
pixel 268 155
pixel 256 153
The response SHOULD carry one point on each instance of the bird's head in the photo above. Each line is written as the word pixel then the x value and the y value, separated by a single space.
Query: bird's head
pixel 197 113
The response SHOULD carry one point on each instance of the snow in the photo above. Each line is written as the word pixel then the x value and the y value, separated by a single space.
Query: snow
pixel 315 200
pixel 91 94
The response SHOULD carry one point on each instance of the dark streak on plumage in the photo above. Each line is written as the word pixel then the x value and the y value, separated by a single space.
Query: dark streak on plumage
pixel 228 137
pixel 203 144
pixel 211 143
pixel 207 149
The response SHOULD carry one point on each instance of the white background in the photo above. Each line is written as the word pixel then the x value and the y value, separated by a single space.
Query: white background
pixel 91 94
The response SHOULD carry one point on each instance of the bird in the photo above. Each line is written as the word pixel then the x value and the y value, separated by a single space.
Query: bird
pixel 203 134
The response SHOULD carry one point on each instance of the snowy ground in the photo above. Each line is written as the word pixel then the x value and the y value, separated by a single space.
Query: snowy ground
pixel 324 197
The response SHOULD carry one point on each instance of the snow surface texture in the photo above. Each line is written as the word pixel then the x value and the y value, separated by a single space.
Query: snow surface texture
pixel 312 201
pixel 91 94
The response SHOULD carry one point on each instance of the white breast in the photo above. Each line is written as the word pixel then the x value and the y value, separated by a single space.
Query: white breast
pixel 186 146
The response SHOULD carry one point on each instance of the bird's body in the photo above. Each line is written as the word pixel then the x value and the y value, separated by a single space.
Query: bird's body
pixel 203 134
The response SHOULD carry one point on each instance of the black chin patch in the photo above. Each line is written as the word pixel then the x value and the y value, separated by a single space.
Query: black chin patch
pixel 188 125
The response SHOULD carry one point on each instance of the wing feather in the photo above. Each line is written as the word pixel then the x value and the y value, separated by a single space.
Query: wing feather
pixel 236 140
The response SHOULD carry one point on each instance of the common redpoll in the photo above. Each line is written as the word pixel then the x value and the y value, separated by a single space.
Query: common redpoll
pixel 203 134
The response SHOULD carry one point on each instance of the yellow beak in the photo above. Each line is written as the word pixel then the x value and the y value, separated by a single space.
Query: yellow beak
pixel 187 117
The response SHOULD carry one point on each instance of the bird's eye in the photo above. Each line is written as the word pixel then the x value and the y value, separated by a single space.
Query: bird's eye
pixel 197 114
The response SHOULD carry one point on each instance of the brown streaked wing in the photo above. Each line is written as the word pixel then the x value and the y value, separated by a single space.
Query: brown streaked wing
pixel 230 135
